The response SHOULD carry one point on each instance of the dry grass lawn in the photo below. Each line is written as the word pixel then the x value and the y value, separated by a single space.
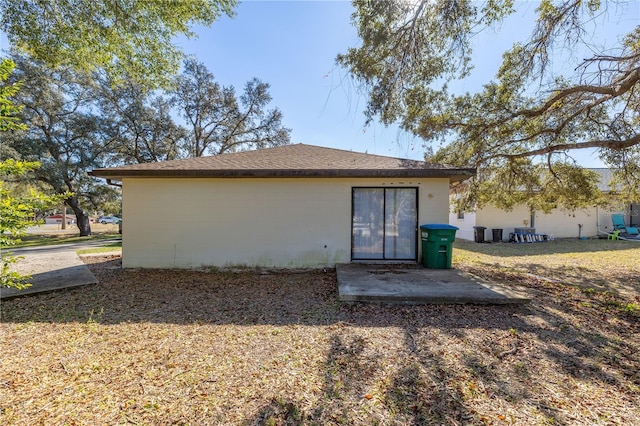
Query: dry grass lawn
pixel 259 348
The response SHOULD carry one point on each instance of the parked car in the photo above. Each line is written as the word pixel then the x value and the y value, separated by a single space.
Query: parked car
pixel 108 219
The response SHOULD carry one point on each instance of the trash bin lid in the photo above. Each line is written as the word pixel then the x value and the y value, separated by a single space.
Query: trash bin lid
pixel 432 226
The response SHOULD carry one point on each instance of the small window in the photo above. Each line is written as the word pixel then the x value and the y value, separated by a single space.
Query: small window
pixel 460 214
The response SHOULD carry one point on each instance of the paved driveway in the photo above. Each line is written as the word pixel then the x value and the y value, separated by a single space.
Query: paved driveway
pixel 52 268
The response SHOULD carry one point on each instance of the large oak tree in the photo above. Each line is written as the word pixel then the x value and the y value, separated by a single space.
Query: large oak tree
pixel 218 121
pixel 17 208
pixel 140 122
pixel 126 38
pixel 123 40
pixel 64 131
pixel 522 128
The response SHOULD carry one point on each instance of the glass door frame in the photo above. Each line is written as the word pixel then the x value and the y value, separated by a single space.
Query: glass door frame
pixel 384 224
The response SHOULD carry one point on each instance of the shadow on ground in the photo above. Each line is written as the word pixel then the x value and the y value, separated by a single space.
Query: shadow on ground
pixel 624 284
pixel 449 361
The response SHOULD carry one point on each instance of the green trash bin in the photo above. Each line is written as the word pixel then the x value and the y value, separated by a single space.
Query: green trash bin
pixel 437 245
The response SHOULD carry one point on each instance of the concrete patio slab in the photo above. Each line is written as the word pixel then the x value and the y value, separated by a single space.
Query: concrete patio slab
pixel 416 284
pixel 51 268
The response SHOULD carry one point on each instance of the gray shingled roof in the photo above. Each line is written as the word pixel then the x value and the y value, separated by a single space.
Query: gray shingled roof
pixel 298 160
pixel 605 178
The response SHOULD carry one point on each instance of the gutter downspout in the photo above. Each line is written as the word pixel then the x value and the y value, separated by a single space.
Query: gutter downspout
pixel 112 183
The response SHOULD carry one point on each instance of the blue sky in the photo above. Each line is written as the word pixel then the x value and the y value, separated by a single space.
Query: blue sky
pixel 292 45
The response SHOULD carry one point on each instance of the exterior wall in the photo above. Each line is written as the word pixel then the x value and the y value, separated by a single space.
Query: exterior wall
pixel 564 224
pixel 492 217
pixel 559 223
pixel 298 222
pixel 595 220
pixel 630 212
pixel 465 226
pixel 634 215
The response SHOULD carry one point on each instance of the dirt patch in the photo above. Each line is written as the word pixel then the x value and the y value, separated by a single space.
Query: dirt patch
pixel 185 347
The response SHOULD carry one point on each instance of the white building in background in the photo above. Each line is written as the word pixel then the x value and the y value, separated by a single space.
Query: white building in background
pixel 56 219
pixel 587 222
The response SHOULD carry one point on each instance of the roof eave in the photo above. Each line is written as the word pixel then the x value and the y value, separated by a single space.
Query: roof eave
pixel 454 175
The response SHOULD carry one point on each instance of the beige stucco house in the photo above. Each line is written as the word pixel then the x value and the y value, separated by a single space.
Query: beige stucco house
pixel 587 222
pixel 290 206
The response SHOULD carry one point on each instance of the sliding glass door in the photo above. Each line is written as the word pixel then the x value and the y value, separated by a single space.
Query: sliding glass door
pixel 384 224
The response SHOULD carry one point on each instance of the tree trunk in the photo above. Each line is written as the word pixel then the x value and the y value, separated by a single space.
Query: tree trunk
pixel 82 218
